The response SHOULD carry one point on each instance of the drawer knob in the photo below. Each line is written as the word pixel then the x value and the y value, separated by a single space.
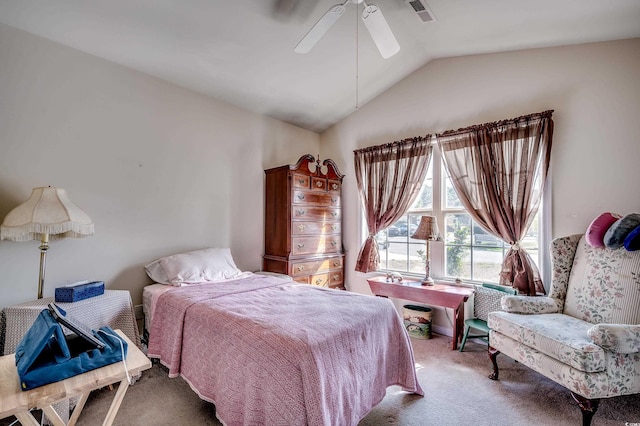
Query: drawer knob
pixel 300 268
pixel 335 277
pixel 334 227
pixel 300 212
pixel 301 228
pixel 333 243
pixel 300 245
pixel 334 214
pixel 319 281
pixel 336 263
pixel 319 184
pixel 300 196
pixel 334 186
pixel 301 181
pixel 334 200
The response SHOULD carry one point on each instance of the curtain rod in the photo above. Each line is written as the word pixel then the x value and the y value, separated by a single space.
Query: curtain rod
pixel 536 115
pixel 397 144
pixel 401 143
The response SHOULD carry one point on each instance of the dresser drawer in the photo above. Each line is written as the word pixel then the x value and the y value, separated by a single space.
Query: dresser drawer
pixel 334 186
pixel 320 280
pixel 332 280
pixel 316 245
pixel 313 267
pixel 301 181
pixel 336 278
pixel 318 184
pixel 325 214
pixel 302 280
pixel 316 198
pixel 315 228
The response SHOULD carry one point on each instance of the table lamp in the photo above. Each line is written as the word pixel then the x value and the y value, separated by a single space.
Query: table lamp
pixel 47 215
pixel 428 231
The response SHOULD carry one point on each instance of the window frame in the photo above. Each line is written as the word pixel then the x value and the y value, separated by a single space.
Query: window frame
pixel 440 211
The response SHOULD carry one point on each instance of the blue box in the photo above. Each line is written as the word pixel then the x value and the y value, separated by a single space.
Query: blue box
pixel 79 292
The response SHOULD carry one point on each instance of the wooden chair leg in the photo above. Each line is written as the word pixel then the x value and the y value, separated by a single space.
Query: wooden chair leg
pixel 464 338
pixel 587 406
pixel 493 353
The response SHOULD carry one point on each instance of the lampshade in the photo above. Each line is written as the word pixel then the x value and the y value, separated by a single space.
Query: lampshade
pixel 427 229
pixel 48 211
pixel 48 214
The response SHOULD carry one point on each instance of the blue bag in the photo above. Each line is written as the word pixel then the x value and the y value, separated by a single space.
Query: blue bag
pixel 46 355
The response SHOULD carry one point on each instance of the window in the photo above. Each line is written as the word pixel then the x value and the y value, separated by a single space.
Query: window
pixel 466 252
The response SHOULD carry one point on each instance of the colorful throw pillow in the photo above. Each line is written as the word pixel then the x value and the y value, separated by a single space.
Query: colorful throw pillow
pixel 599 226
pixel 615 236
pixel 632 241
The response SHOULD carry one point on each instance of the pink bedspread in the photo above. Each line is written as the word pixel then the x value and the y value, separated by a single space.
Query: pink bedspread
pixel 268 352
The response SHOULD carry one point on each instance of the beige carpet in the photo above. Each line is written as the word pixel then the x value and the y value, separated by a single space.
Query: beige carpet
pixel 457 392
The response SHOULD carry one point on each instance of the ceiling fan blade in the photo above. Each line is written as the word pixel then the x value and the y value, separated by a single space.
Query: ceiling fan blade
pixel 380 31
pixel 320 28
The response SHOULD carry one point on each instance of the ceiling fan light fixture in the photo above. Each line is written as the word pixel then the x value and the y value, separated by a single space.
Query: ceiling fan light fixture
pixel 380 31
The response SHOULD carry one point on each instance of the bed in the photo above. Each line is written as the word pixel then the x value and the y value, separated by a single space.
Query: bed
pixel 266 350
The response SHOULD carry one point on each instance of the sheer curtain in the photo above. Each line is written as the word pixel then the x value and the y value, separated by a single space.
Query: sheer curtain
pixel 498 171
pixel 389 178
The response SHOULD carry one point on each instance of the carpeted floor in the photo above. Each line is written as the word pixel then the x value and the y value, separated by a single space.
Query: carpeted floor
pixel 457 392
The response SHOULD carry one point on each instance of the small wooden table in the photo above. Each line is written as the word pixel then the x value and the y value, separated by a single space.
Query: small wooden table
pixel 445 295
pixel 18 403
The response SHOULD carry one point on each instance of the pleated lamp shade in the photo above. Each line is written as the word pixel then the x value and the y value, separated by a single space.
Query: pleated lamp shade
pixel 47 211
pixel 427 229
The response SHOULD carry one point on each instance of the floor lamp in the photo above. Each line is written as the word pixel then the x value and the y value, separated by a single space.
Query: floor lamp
pixel 428 231
pixel 47 215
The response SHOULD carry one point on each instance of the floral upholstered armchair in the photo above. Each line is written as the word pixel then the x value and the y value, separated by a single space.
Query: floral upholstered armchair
pixel 586 334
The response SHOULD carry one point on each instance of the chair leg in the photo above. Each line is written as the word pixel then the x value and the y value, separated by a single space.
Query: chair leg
pixel 493 353
pixel 587 406
pixel 464 338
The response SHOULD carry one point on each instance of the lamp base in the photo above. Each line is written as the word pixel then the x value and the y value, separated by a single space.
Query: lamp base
pixel 427 281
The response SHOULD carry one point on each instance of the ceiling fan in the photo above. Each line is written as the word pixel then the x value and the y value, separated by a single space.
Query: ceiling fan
pixel 373 20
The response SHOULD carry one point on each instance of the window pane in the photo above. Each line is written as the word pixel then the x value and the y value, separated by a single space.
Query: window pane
pixel 414 221
pixel 425 198
pixel 399 229
pixel 487 263
pixel 417 258
pixel 458 229
pixel 458 262
pixel 457 242
pixel 483 238
pixel 398 260
pixel 383 248
pixel 451 198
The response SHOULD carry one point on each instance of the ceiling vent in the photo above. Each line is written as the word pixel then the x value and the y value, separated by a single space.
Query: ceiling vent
pixel 422 10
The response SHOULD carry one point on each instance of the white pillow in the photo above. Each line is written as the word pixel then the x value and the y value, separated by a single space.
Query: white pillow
pixel 206 265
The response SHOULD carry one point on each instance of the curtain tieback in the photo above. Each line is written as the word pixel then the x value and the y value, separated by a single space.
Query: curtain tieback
pixel 515 246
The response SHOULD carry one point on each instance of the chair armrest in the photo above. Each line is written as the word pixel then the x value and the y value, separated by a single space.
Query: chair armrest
pixel 620 338
pixel 529 305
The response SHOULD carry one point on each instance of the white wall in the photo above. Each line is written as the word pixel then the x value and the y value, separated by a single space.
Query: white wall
pixel 158 168
pixel 593 88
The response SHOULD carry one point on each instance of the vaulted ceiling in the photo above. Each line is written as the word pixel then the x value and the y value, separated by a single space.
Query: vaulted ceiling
pixel 242 51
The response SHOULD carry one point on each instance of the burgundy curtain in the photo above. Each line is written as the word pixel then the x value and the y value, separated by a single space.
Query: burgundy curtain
pixel 389 179
pixel 498 171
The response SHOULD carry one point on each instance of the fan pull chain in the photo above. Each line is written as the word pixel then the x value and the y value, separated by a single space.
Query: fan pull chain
pixel 357 58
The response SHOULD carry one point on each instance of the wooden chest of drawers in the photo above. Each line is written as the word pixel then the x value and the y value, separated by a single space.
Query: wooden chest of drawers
pixel 303 230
